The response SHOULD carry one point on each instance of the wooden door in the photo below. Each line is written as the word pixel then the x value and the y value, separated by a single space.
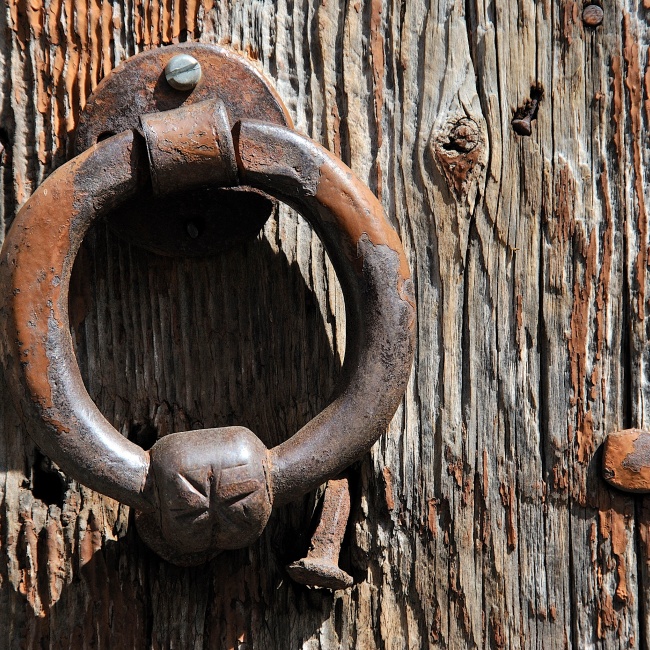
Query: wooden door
pixel 481 518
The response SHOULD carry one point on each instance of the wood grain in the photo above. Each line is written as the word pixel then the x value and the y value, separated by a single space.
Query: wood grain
pixel 481 519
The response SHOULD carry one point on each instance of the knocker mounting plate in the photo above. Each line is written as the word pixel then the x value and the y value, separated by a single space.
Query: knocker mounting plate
pixel 189 223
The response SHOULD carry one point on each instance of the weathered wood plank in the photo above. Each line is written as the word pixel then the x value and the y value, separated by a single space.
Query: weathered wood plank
pixel 481 520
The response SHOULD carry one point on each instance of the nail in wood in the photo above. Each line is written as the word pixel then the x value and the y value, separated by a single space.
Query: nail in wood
pixel 320 568
pixel 523 125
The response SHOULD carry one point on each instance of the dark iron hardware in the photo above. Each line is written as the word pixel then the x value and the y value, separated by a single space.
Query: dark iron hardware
pixel 626 460
pixel 198 492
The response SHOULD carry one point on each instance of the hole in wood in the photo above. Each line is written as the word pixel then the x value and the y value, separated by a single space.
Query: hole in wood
pixel 48 484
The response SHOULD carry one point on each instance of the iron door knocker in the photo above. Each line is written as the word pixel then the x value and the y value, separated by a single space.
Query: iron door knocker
pixel 199 492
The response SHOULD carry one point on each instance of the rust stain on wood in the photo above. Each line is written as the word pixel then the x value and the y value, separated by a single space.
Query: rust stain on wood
pixel 29 566
pixel 644 528
pixel 578 342
pixel 607 619
pixel 58 117
pixel 509 501
pixel 499 638
pixel 81 36
pixel 91 542
pixel 619 546
pixel 432 517
pixel 336 130
pixel 585 438
pixel 486 477
pixel 570 18
pixel 563 232
pixel 560 478
pixel 604 277
pixel 617 105
pixel 646 85
pixel 455 469
pixel 634 87
pixel 561 226
pixel 56 559
pixel 388 488
pixel 612 523
pixel 519 311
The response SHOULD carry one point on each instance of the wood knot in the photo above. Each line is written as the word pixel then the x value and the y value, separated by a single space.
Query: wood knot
pixel 459 149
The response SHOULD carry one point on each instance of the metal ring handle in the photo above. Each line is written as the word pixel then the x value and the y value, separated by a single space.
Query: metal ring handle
pixel 198 492
pixel 371 266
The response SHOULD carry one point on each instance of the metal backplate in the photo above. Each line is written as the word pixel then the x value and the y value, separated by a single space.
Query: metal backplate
pixel 200 222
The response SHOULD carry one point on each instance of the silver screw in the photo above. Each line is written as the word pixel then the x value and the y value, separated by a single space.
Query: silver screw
pixel 183 72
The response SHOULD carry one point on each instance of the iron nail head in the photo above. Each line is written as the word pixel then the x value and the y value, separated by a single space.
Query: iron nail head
pixel 183 72
pixel 592 15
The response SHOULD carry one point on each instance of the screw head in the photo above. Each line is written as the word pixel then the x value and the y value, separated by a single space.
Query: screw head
pixel 183 72
pixel 592 15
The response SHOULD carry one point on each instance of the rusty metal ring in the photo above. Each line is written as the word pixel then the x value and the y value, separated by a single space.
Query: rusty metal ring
pixel 198 492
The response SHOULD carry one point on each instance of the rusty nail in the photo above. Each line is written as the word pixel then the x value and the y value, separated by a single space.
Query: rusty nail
pixel 183 72
pixel 320 568
pixel 592 15
pixel 522 122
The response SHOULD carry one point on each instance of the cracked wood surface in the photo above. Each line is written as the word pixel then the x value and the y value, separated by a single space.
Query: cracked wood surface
pixel 481 519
